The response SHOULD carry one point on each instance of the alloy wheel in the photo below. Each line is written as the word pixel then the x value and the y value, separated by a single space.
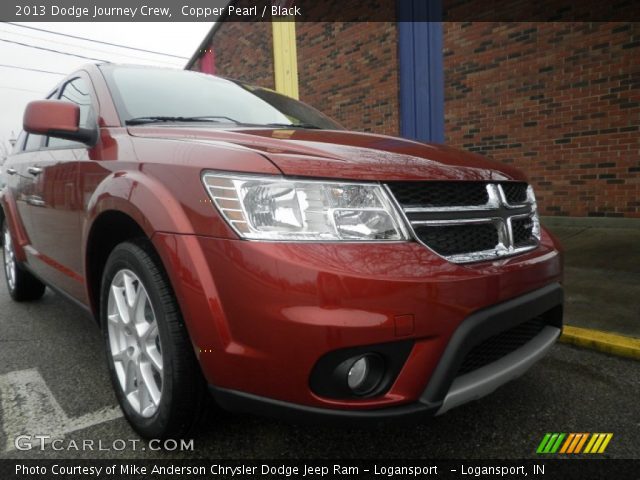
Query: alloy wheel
pixel 9 260
pixel 134 341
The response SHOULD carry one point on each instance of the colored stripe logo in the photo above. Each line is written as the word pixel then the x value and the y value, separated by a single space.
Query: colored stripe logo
pixel 574 443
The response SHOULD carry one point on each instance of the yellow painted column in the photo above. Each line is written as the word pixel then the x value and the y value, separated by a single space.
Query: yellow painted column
pixel 285 57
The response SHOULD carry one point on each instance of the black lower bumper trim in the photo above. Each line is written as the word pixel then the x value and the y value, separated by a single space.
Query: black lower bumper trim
pixel 242 402
pixel 485 323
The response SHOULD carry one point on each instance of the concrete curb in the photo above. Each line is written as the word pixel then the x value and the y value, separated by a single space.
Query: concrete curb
pixel 602 341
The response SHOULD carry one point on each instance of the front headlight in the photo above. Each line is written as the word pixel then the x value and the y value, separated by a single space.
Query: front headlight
pixel 274 208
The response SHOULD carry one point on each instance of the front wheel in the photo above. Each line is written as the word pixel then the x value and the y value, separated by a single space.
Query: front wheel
pixel 153 368
pixel 22 285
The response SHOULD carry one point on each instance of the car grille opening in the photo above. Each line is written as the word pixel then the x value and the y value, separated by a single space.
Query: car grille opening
pixel 497 346
pixel 515 193
pixel 456 239
pixel 440 194
pixel 522 231
pixel 470 221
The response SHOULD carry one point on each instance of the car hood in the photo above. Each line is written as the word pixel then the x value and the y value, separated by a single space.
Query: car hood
pixel 343 154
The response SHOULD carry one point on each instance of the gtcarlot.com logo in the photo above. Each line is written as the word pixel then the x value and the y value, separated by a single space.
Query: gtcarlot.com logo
pixel 574 443
pixel 47 442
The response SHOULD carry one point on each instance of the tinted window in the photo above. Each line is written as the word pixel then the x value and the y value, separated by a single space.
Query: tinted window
pixel 151 92
pixel 75 91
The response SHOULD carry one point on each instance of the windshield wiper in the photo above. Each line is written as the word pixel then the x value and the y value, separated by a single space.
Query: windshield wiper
pixel 214 119
pixel 160 119
pixel 293 125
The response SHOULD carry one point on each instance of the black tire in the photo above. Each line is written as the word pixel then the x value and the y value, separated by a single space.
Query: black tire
pixel 23 286
pixel 183 389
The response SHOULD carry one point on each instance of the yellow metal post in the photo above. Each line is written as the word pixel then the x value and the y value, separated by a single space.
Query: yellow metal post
pixel 285 57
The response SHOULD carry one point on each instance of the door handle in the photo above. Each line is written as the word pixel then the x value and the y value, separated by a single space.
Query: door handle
pixel 35 171
pixel 11 171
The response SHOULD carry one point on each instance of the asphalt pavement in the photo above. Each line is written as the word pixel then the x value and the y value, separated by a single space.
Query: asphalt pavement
pixel 53 381
pixel 602 272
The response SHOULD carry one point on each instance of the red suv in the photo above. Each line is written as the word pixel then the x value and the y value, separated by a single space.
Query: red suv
pixel 231 239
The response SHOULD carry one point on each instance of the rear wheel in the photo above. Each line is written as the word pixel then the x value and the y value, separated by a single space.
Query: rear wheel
pixel 22 285
pixel 153 368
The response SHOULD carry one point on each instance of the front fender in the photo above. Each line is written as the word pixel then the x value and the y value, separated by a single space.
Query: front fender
pixel 143 198
pixel 165 221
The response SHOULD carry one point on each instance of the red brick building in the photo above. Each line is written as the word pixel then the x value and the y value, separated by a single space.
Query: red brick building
pixel 561 100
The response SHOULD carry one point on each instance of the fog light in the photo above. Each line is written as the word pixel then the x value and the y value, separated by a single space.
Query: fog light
pixel 365 373
pixel 358 373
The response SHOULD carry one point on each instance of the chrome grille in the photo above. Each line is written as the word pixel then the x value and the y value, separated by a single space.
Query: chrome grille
pixel 470 221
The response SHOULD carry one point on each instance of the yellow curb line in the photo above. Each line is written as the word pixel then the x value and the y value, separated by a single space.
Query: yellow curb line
pixel 605 342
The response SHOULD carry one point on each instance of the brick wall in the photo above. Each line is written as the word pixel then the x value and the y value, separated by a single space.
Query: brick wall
pixel 244 51
pixel 350 72
pixel 559 100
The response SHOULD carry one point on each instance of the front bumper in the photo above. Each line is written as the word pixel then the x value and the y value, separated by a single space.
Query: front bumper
pixel 262 314
pixel 444 390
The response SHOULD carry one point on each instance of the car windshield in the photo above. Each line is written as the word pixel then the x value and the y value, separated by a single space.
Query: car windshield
pixel 155 95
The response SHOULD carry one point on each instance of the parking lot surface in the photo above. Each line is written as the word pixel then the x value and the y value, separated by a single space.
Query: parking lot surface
pixel 54 381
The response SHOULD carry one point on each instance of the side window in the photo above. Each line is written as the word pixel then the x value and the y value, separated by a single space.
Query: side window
pixel 19 146
pixel 76 91
pixel 34 142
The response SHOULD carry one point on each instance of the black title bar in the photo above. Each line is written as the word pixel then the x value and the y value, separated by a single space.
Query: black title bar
pixel 318 469
pixel 315 11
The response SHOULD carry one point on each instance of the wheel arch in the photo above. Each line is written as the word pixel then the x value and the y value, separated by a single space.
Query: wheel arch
pixel 126 205
pixel 108 230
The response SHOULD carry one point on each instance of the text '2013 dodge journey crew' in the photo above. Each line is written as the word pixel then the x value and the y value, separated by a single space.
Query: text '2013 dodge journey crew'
pixel 233 240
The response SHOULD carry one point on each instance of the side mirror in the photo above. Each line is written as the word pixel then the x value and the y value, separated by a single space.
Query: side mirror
pixel 57 118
